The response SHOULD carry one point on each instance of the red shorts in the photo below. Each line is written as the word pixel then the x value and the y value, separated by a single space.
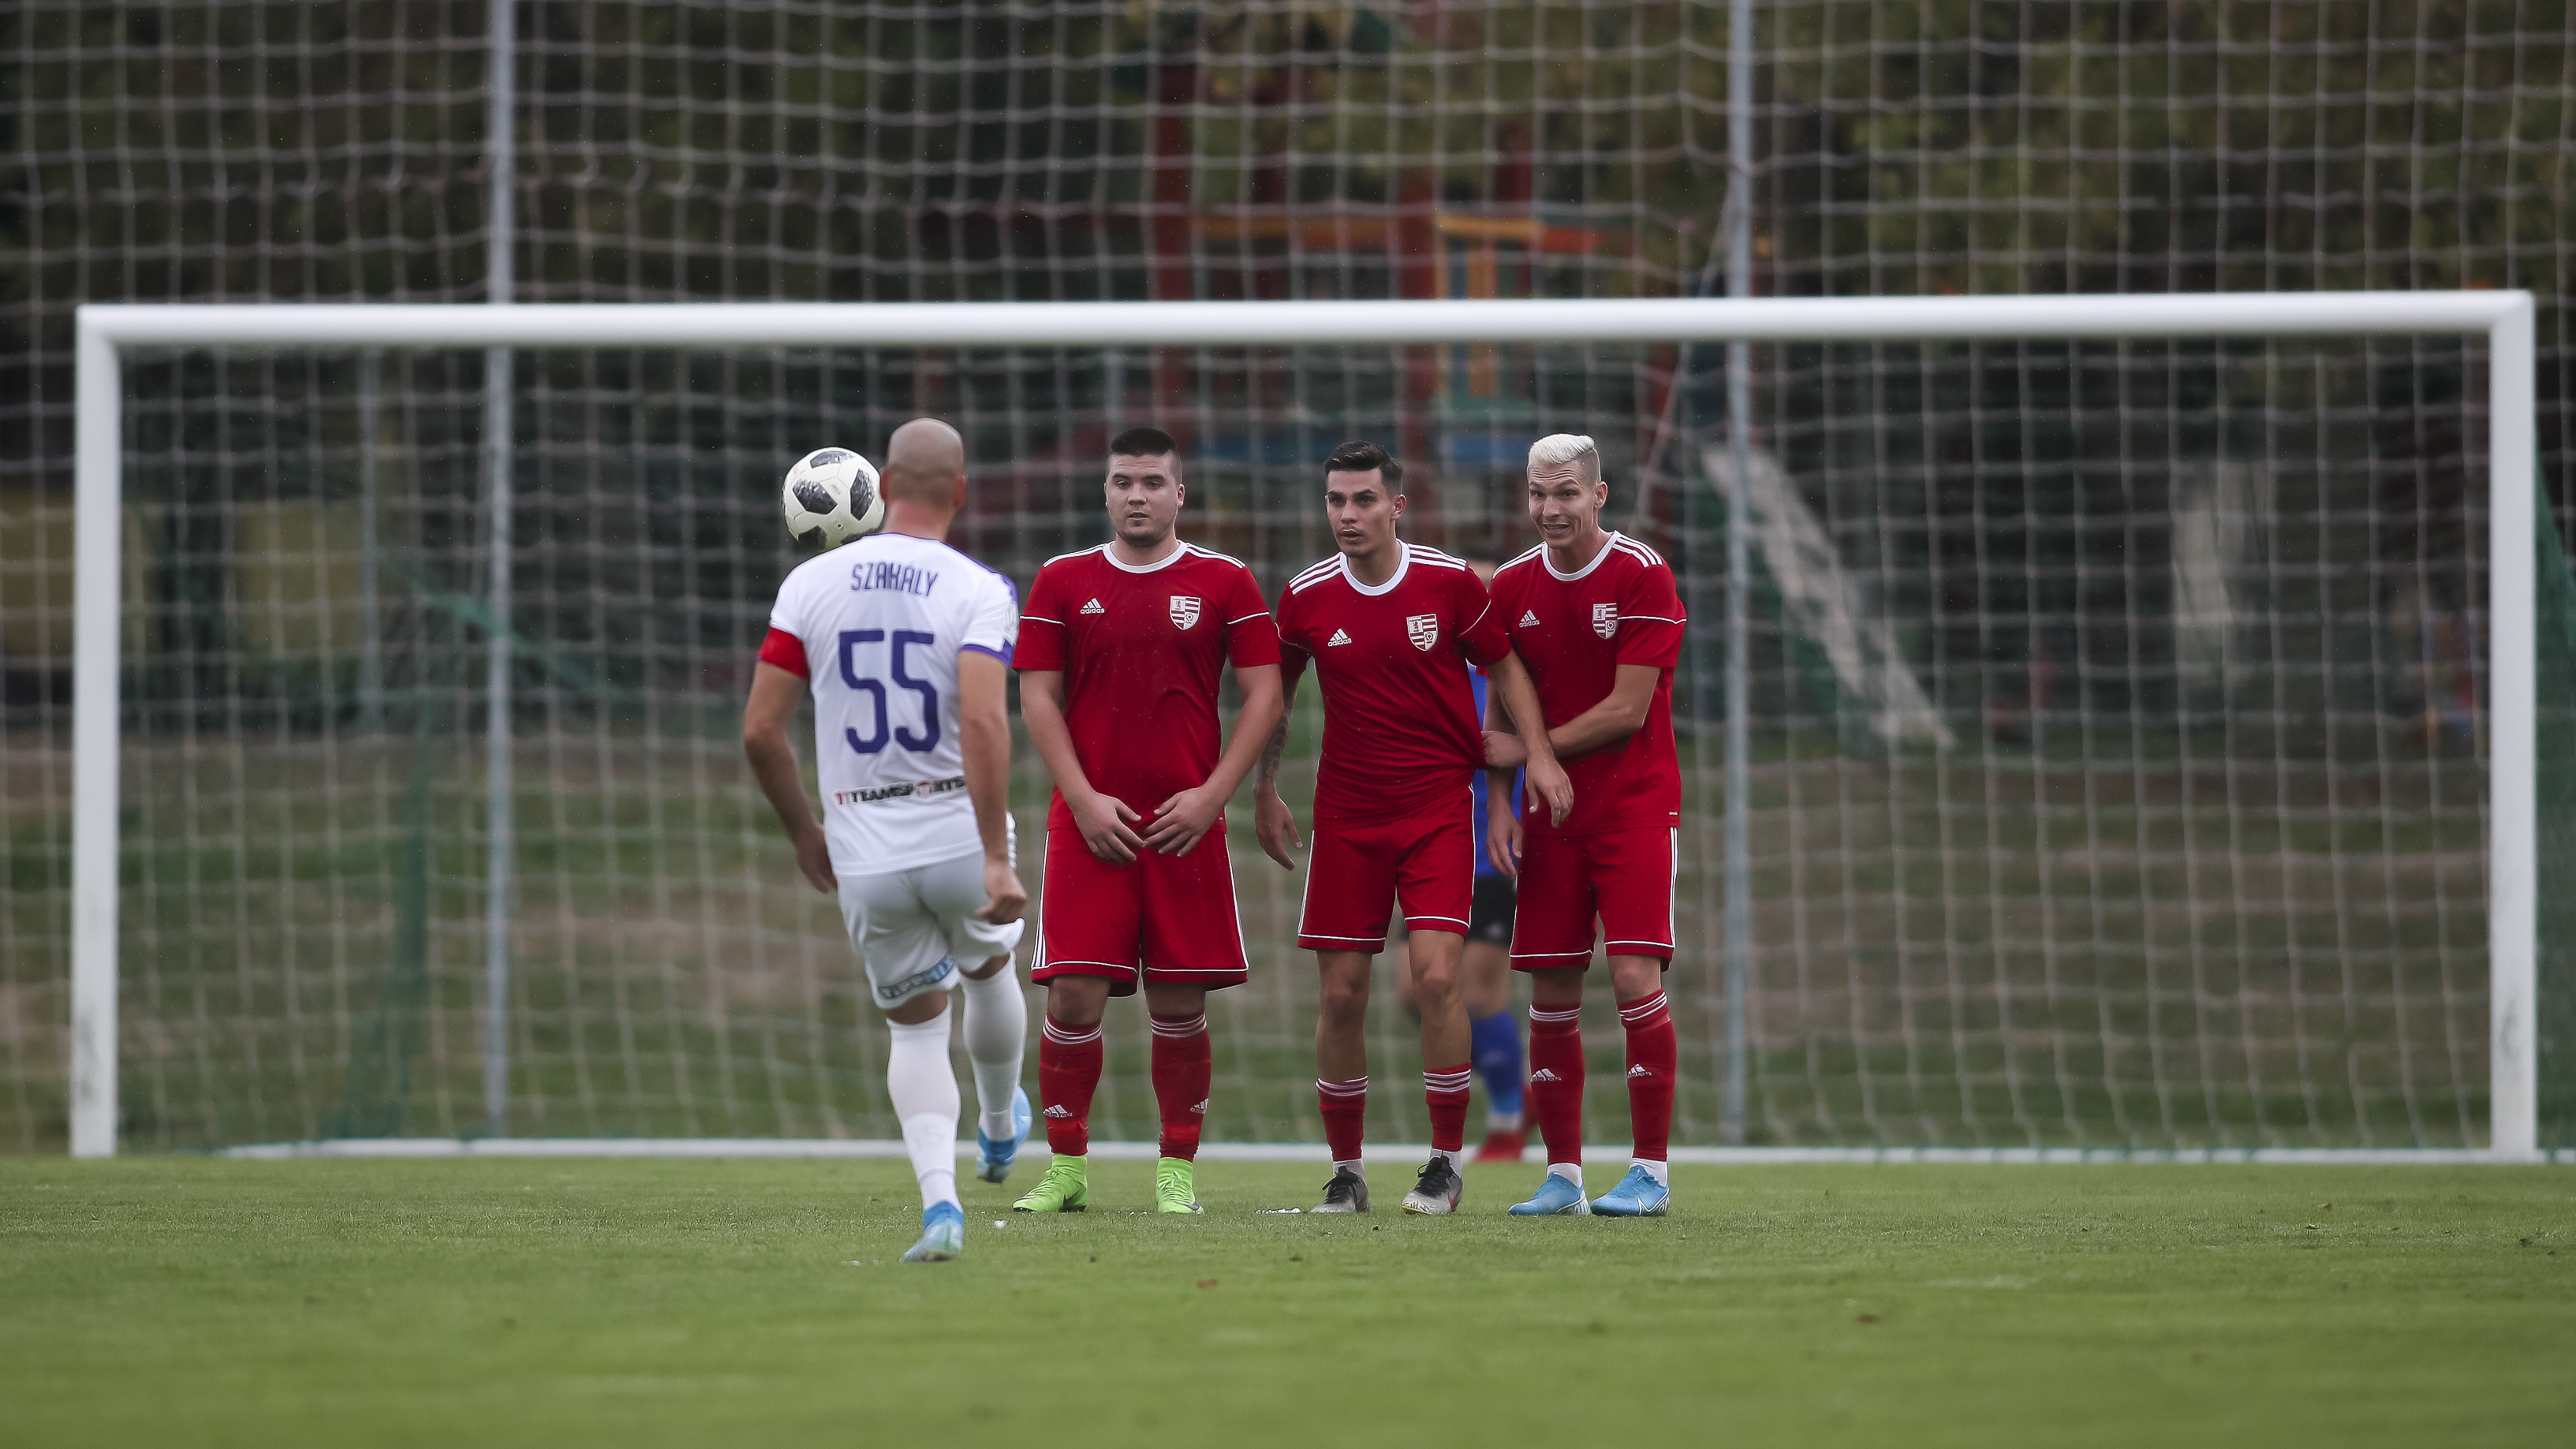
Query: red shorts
pixel 1168 918
pixel 1425 862
pixel 1624 878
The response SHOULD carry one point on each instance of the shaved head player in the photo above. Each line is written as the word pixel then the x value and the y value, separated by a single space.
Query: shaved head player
pixel 906 645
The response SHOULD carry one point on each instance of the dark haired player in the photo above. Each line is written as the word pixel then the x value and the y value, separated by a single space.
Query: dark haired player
pixel 1485 973
pixel 1390 629
pixel 1120 649
pixel 1599 622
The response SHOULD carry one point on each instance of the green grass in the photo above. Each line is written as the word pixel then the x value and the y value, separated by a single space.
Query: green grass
pixel 187 1301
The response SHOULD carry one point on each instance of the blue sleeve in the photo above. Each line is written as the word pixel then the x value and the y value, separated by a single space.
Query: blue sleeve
pixel 1476 780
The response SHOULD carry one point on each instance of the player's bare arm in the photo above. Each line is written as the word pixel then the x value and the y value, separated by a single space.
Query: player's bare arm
pixel 1520 700
pixel 984 734
pixel 1183 820
pixel 1620 713
pixel 1273 823
pixel 1104 820
pixel 775 696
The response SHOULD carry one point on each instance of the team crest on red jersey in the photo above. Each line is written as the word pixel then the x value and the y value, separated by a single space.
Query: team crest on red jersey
pixel 1185 609
pixel 1423 630
pixel 1605 619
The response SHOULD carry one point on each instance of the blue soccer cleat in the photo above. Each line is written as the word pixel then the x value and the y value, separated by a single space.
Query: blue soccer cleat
pixel 993 1158
pixel 1638 1195
pixel 1556 1198
pixel 943 1234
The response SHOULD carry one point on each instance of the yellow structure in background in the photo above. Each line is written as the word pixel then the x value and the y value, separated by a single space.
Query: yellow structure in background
pixel 296 579
pixel 36 577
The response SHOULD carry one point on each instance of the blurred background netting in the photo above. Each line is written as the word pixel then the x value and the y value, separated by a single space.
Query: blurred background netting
pixel 2118 709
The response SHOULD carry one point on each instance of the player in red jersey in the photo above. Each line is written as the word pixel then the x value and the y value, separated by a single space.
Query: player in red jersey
pixel 1599 623
pixel 1389 628
pixel 1120 648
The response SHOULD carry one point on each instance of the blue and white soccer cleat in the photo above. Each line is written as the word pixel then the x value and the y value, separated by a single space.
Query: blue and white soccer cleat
pixel 943 1234
pixel 1638 1195
pixel 1556 1198
pixel 993 1158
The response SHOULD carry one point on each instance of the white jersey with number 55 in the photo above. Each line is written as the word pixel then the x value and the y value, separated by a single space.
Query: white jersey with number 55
pixel 877 627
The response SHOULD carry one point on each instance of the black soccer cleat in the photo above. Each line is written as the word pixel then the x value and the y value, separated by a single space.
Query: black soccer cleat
pixel 1346 1193
pixel 1438 1190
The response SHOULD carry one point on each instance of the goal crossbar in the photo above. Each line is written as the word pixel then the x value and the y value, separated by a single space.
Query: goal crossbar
pixel 2503 319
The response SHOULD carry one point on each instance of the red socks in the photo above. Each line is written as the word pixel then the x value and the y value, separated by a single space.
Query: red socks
pixel 1068 1073
pixel 1345 1108
pixel 1654 1055
pixel 1445 1092
pixel 1556 1079
pixel 1181 1071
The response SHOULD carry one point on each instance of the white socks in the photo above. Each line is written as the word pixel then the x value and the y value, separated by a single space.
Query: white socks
pixel 1571 1172
pixel 923 1088
pixel 1660 1172
pixel 997 1031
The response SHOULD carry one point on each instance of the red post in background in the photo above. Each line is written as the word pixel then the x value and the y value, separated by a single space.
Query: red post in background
pixel 1176 89
pixel 1417 276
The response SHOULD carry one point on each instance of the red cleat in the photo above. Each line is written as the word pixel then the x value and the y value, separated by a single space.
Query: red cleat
pixel 1502 1147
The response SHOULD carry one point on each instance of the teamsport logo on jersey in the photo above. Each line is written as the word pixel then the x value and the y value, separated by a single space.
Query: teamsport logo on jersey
pixel 1423 630
pixel 1605 619
pixel 1201 1108
pixel 930 975
pixel 1338 638
pixel 904 791
pixel 1640 1071
pixel 1094 608
pixel 1185 609
pixel 1529 618
pixel 1543 1074
pixel 1059 1112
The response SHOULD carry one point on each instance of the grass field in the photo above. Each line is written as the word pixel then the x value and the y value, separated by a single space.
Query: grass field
pixel 188 1301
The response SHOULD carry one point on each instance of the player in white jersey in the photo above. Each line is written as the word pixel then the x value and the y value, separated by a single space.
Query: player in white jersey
pixel 906 644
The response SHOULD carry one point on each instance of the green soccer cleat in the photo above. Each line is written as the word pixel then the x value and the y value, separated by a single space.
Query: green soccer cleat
pixel 1066 1188
pixel 1175 1187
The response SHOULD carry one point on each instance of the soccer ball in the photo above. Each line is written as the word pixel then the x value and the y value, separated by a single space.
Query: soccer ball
pixel 831 497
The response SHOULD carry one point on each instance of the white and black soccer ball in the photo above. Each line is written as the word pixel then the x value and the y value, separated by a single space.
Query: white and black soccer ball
pixel 831 497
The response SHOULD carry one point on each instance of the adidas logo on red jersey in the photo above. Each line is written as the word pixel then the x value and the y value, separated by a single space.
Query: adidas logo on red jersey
pixel 1640 1071
pixel 1201 1108
pixel 1094 608
pixel 1059 1113
pixel 1529 618
pixel 1339 637
pixel 1543 1074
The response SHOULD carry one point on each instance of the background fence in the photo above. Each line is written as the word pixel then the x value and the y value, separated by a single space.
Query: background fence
pixel 2117 709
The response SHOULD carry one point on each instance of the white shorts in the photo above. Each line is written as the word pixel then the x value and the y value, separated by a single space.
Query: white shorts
pixel 912 927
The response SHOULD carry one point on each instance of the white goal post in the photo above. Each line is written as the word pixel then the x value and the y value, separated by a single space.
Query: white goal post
pixel 2504 319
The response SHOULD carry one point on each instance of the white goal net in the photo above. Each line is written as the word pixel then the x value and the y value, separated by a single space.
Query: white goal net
pixel 2120 747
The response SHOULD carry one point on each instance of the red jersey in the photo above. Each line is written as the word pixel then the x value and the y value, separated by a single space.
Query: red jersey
pixel 1140 650
pixel 1400 724
pixel 1574 631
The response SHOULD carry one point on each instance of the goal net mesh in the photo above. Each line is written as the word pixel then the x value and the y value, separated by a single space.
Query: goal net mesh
pixel 2118 710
